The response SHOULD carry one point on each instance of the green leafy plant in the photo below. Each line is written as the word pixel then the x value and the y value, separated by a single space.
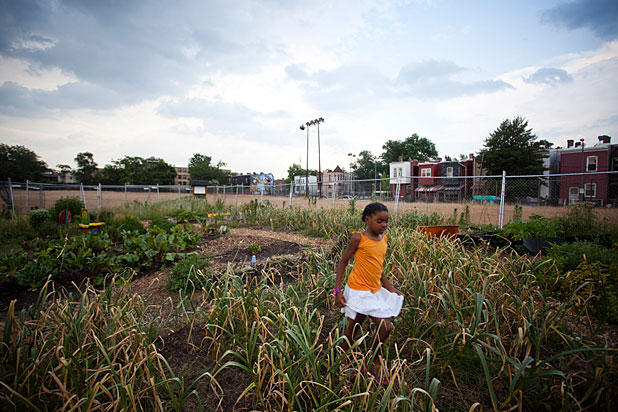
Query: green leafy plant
pixel 38 217
pixel 131 223
pixel 254 248
pixel 72 204
pixel 570 255
pixel 191 270
pixel 163 223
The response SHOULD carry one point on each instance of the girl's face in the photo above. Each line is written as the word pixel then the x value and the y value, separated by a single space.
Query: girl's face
pixel 377 222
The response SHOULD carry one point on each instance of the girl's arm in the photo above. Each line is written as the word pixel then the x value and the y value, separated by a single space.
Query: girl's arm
pixel 388 286
pixel 343 263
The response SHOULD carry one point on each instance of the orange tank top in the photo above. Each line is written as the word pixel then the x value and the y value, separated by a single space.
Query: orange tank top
pixel 368 264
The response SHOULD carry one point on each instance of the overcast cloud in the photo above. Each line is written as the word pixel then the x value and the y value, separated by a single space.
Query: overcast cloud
pixel 235 80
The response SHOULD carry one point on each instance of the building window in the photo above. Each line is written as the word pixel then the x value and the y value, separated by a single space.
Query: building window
pixel 426 172
pixel 591 189
pixel 449 172
pixel 591 163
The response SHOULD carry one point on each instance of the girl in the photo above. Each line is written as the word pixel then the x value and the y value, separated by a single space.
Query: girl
pixel 368 292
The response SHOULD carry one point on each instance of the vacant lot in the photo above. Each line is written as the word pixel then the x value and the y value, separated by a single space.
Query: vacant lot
pixel 479 213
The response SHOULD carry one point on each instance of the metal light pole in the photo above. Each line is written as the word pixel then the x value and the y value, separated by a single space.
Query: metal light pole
pixel 351 184
pixel 302 127
pixel 583 191
pixel 315 122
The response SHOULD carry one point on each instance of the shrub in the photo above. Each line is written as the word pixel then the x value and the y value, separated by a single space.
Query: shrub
pixel 37 217
pixel 131 223
pixel 189 270
pixel 599 289
pixel 537 226
pixel 162 223
pixel 73 204
pixel 254 248
pixel 570 255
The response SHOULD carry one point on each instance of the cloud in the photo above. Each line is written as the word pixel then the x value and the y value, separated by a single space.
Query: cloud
pixel 431 80
pixel 600 16
pixel 227 119
pixel 430 69
pixel 550 76
pixel 140 49
pixel 20 101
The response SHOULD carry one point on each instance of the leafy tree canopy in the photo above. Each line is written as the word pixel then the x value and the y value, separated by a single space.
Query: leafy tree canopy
pixel 139 171
pixel 200 168
pixel 413 147
pixel 297 170
pixel 20 164
pixel 513 147
pixel 86 168
pixel 367 166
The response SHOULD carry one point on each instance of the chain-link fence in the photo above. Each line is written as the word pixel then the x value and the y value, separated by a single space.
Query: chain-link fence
pixel 475 200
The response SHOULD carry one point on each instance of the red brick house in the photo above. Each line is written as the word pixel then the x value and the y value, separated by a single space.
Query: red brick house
pixel 599 188
pixel 429 180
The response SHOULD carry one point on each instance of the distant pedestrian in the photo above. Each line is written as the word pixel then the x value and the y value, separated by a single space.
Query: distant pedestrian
pixel 368 292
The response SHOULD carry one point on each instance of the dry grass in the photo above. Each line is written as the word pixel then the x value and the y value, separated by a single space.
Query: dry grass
pixel 480 214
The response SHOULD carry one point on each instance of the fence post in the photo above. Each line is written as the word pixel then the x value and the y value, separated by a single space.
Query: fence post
pixel 397 189
pixel 11 195
pixel 27 195
pixel 501 216
pixel 99 197
pixel 157 193
pixel 178 191
pixel 83 195
pixel 41 197
pixel 125 194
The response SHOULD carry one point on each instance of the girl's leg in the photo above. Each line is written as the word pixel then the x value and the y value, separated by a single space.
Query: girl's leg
pixel 350 330
pixel 384 329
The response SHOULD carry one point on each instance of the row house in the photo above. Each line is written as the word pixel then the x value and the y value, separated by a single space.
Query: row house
pixel 333 182
pixel 580 164
pixel 435 180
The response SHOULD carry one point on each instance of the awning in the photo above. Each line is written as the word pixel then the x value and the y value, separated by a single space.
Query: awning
pixel 453 188
pixel 435 188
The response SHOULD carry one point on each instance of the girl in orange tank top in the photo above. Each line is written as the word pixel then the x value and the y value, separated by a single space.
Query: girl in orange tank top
pixel 368 292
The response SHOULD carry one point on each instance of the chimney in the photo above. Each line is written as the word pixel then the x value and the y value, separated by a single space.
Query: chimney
pixel 605 139
pixel 471 156
pixel 400 159
pixel 569 143
pixel 577 144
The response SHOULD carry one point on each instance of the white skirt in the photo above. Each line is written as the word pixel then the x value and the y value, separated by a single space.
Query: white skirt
pixel 382 304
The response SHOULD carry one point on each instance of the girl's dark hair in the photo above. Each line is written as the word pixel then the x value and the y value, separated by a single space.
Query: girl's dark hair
pixel 372 208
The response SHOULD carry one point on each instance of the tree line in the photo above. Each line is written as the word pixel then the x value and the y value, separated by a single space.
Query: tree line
pixel 20 164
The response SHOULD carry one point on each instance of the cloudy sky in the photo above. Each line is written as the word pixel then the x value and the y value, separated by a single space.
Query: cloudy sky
pixel 235 79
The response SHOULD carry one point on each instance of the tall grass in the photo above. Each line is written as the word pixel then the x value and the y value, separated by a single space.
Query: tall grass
pixel 85 350
pixel 476 333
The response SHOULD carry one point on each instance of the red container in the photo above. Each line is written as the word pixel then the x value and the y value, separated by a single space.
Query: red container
pixel 440 230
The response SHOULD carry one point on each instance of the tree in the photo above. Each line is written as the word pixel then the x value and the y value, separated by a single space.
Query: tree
pixel 136 170
pixel 20 164
pixel 512 147
pixel 297 170
pixel 86 168
pixel 413 147
pixel 367 166
pixel 201 169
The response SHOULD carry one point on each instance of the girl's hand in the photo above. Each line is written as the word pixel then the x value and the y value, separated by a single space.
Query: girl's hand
pixel 340 299
pixel 397 292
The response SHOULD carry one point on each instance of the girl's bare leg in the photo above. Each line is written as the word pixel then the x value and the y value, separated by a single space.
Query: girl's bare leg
pixel 384 329
pixel 350 330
